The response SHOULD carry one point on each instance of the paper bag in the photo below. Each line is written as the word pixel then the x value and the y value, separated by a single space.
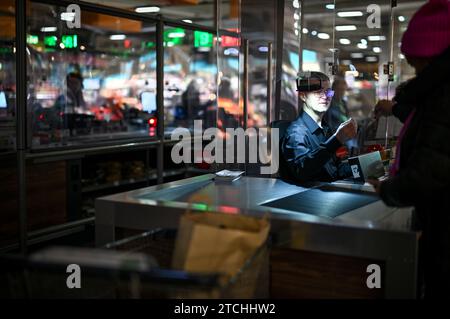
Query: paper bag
pixel 215 242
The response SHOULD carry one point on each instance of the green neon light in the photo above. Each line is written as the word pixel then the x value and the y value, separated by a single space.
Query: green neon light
pixel 203 39
pixel 70 41
pixel 50 41
pixel 199 206
pixel 150 44
pixel 32 39
pixel 174 36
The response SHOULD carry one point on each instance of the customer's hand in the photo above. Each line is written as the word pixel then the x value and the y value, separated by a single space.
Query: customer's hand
pixel 376 185
pixel 383 108
pixel 347 130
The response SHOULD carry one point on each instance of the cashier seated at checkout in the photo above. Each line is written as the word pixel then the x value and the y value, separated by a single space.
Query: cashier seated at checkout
pixel 308 147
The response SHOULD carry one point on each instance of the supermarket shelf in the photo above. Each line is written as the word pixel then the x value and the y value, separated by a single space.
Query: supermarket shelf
pixel 152 176
pixel 61 154
pixel 53 232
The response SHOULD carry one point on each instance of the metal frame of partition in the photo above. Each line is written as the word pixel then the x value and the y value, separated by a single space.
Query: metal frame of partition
pixel 23 150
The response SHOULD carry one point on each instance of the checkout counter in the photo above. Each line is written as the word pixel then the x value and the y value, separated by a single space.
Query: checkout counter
pixel 314 253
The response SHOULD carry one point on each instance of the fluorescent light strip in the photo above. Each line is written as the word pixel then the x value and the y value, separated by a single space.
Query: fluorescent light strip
pixel 348 14
pixel 376 38
pixel 68 16
pixel 117 37
pixel 357 55
pixel 345 27
pixel 147 9
pixel 361 46
pixel 48 29
pixel 376 49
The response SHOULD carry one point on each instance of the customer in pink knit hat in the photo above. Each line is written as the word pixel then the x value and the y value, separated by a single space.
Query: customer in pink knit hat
pixel 420 176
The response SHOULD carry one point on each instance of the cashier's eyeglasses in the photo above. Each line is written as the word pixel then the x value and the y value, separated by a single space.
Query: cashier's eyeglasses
pixel 329 93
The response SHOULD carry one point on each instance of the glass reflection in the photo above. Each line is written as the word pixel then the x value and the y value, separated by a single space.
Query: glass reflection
pixel 92 84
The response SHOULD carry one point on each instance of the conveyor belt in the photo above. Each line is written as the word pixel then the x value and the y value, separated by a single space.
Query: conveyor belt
pixel 324 201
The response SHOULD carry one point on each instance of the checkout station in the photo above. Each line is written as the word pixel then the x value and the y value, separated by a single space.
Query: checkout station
pixel 95 176
pixel 323 237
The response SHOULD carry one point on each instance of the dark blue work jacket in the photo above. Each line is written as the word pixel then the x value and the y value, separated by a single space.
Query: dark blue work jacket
pixel 308 152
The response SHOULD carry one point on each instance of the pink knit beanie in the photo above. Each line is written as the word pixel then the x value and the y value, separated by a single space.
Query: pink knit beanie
pixel 428 32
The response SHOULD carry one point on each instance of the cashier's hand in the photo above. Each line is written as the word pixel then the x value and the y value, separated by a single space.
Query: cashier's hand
pixel 346 131
pixel 376 185
pixel 383 108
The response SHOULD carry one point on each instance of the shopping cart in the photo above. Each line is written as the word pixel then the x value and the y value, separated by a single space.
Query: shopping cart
pixel 46 278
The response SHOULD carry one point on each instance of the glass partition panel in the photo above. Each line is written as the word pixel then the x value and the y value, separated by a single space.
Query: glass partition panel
pixel 7 76
pixel 190 72
pixel 363 56
pixel 96 83
pixel 358 39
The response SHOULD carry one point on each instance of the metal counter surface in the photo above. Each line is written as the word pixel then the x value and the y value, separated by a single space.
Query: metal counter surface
pixel 373 231
pixel 249 193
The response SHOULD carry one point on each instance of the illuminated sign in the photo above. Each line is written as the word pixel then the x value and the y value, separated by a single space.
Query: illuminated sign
pixel 173 36
pixel 70 41
pixel 50 41
pixel 150 44
pixel 203 39
pixel 32 39
pixel 228 41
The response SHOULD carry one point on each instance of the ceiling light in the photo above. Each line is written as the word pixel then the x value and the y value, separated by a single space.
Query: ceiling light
pixel 345 27
pixel 48 29
pixel 401 18
pixel 117 37
pixel 330 6
pixel 187 21
pixel 344 41
pixel 323 36
pixel 305 31
pixel 376 49
pixel 147 9
pixel 176 35
pixel 348 14
pixel 314 32
pixel 296 16
pixel 357 55
pixel 361 46
pixel 371 59
pixel 68 16
pixel 376 38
